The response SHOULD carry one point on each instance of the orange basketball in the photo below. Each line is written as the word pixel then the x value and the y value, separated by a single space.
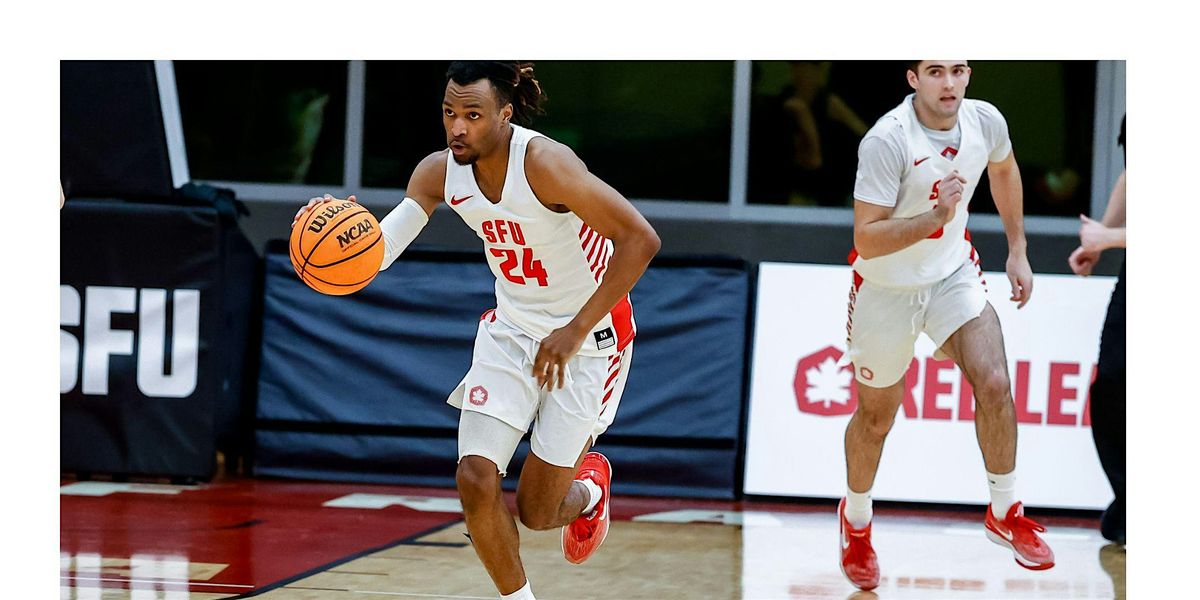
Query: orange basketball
pixel 337 247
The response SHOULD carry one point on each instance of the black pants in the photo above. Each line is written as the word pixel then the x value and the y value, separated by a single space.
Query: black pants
pixel 1108 394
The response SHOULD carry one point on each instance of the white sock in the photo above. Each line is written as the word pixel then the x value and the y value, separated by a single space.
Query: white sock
pixel 1003 489
pixel 593 495
pixel 858 508
pixel 525 593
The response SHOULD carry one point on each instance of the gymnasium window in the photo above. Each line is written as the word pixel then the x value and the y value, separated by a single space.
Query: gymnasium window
pixel 651 129
pixel 264 121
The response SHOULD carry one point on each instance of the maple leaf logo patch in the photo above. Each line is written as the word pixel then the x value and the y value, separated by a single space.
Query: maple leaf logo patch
pixel 478 395
pixel 822 387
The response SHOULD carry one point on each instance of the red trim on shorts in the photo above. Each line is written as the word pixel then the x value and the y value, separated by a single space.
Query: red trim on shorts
pixel 622 320
pixel 488 315
pixel 858 279
pixel 614 370
pixel 613 376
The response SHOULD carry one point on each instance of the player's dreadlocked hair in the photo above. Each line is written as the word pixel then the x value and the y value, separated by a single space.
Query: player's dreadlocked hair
pixel 514 82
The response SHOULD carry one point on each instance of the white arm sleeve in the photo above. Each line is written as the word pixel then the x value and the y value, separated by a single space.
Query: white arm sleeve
pixel 400 227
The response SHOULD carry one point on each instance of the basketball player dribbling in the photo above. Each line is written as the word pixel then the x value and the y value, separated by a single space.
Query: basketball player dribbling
pixel 566 249
pixel 915 271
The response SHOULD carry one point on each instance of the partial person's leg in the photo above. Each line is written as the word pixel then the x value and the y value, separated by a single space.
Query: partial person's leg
pixel 1108 411
pixel 978 349
pixel 881 330
pixel 548 496
pixel 486 445
pixel 569 420
pixel 866 432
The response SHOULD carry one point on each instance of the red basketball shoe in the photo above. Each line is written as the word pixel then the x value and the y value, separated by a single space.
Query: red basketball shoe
pixel 583 536
pixel 1020 534
pixel 859 564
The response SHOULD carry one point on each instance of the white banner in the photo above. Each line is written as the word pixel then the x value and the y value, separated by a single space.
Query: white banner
pixel 800 400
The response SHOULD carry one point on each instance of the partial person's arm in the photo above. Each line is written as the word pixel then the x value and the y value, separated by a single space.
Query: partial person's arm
pixel 1095 237
pixel 556 175
pixel 1007 193
pixel 1114 213
pixel 877 188
pixel 422 196
pixel 877 234
pixel 401 226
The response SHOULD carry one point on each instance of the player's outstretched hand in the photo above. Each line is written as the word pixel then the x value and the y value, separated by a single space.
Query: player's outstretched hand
pixel 1020 275
pixel 550 364
pixel 315 201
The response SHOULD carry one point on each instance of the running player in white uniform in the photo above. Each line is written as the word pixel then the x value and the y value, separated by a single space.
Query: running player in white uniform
pixel 915 271
pixel 566 249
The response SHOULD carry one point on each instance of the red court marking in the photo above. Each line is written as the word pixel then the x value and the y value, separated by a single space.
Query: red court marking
pixel 266 531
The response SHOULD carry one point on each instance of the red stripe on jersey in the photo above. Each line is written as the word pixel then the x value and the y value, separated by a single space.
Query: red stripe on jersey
pixel 594 250
pixel 601 250
pixel 606 397
pixel 602 262
pixel 622 320
pixel 587 239
pixel 853 256
pixel 858 279
pixel 583 230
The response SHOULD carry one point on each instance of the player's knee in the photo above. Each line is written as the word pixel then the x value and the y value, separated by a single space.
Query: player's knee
pixel 477 480
pixel 992 389
pixel 534 514
pixel 878 423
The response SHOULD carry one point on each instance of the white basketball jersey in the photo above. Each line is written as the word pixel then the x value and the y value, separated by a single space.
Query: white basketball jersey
pixel 935 258
pixel 547 264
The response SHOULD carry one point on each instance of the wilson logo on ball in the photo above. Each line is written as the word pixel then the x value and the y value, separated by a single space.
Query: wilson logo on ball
pixel 322 218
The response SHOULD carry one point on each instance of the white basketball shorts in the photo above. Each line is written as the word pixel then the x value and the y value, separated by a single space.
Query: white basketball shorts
pixel 501 384
pixel 883 322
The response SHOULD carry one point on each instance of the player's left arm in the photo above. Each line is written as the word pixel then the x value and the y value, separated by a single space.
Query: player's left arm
pixel 557 175
pixel 1005 179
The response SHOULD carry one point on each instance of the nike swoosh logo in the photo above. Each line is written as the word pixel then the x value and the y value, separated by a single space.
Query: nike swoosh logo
pixel 456 201
pixel 1006 535
pixel 919 161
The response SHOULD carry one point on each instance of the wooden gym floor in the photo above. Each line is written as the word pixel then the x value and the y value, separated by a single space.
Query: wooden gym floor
pixel 284 540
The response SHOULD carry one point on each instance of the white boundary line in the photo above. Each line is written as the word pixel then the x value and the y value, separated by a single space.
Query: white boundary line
pixel 157 581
